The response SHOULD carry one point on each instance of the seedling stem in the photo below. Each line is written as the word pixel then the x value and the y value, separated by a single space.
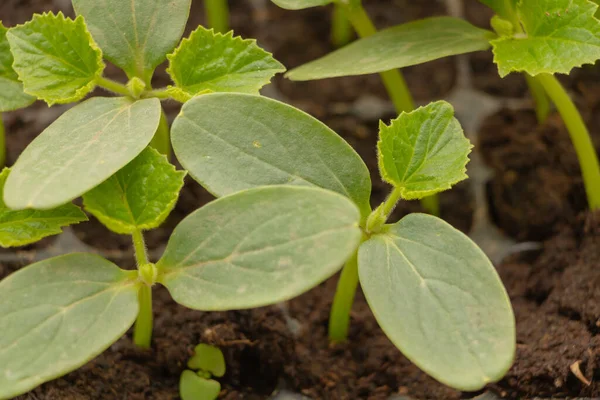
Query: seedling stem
pixel 584 147
pixel 113 86
pixel 161 141
pixel 217 15
pixel 540 98
pixel 341 29
pixel 142 333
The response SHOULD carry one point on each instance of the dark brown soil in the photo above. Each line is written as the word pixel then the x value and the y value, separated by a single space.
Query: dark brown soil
pixel 537 194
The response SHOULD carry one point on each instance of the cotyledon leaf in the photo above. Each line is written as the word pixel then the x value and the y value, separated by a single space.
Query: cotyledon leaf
pixel 397 47
pixel 139 196
pixel 439 300
pixel 559 35
pixel 57 314
pixel 55 57
pixel 231 141
pixel 424 151
pixel 300 4
pixel 18 228
pixel 12 96
pixel 135 35
pixel 81 149
pixel 215 62
pixel 259 247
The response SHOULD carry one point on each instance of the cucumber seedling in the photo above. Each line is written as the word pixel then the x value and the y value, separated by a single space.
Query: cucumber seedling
pixel 196 383
pixel 538 38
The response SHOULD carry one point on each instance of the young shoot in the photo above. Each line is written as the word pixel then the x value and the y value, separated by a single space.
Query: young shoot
pixel 538 38
pixel 206 363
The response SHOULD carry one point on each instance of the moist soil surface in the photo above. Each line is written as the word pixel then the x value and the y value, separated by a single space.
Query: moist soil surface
pixel 536 194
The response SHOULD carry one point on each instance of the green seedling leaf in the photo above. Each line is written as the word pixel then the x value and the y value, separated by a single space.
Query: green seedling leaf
pixel 138 197
pixel 300 4
pixel 55 58
pixel 135 35
pixel 397 47
pixel 208 358
pixel 423 152
pixel 215 62
pixel 194 387
pixel 559 35
pixel 440 301
pixel 57 314
pixel 18 228
pixel 230 142
pixel 80 150
pixel 12 96
pixel 258 247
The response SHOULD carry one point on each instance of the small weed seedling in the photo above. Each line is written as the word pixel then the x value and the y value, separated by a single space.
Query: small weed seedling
pixel 207 362
pixel 538 38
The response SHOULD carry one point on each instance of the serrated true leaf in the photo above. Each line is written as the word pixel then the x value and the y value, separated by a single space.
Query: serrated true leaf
pixel 300 4
pixel 12 96
pixel 57 314
pixel 423 152
pixel 194 387
pixel 559 35
pixel 397 47
pixel 135 35
pixel 80 150
pixel 215 62
pixel 440 301
pixel 55 58
pixel 139 196
pixel 18 228
pixel 230 142
pixel 258 247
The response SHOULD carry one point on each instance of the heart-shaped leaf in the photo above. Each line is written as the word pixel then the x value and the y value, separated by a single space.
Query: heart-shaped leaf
pixel 139 196
pixel 215 62
pixel 194 387
pixel 397 47
pixel 18 228
pixel 12 96
pixel 230 142
pixel 55 58
pixel 423 152
pixel 135 35
pixel 57 314
pixel 439 300
pixel 258 247
pixel 559 35
pixel 209 359
pixel 81 149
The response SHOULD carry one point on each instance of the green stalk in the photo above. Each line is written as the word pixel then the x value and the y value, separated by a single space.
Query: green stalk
pixel 341 29
pixel 542 103
pixel 392 80
pixel 339 317
pixel 2 143
pixel 584 147
pixel 113 86
pixel 217 15
pixel 142 332
pixel 161 140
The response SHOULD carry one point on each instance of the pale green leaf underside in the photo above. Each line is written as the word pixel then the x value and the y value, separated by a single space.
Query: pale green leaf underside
pixel 229 142
pixel 559 35
pixel 397 47
pixel 440 301
pixel 12 96
pixel 57 314
pixel 300 4
pixel 423 152
pixel 135 35
pixel 139 196
pixel 81 149
pixel 258 247
pixel 55 58
pixel 194 387
pixel 18 228
pixel 209 61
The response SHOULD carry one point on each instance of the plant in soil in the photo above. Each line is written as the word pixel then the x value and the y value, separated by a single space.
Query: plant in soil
pixel 196 383
pixel 538 38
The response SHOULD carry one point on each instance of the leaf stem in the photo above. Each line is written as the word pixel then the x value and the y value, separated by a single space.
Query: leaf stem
pixel 217 15
pixel 142 332
pixel 158 93
pixel 540 98
pixel 339 317
pixel 341 28
pixel 584 147
pixel 161 140
pixel 113 86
